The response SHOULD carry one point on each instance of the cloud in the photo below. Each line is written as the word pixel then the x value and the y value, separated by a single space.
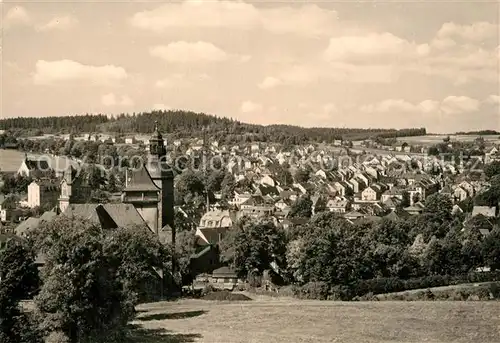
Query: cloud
pixel 269 82
pixel 493 99
pixel 50 72
pixel 249 106
pixel 375 45
pixel 59 23
pixel 16 16
pixel 304 20
pixel 477 32
pixel 185 52
pixel 111 99
pixel 459 104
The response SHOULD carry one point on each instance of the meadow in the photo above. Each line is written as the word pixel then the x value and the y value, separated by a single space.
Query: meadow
pixel 289 320
pixel 435 139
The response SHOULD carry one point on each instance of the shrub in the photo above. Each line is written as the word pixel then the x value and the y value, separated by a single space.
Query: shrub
pixel 226 296
pixel 315 290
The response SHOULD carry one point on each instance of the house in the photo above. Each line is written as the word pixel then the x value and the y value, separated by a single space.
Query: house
pixel 283 204
pixel 370 194
pixel 460 194
pixel 393 192
pixel 257 206
pixel 224 278
pixel 353 215
pixel 33 167
pixel 267 180
pixel 391 203
pixel 489 212
pixel 337 205
pixel 213 227
pixel 3 214
pixel 43 193
pixel 468 187
pixel 415 209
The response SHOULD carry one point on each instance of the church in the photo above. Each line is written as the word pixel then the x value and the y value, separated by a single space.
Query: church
pixel 148 196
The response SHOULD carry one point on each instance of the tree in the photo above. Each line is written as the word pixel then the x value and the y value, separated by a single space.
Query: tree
pixel 301 208
pixel 491 249
pixel 255 246
pixel 335 254
pixel 140 258
pixel 185 248
pixel 228 186
pixel 439 206
pixel 406 201
pixel 492 169
pixel 111 186
pixel 19 278
pixel 302 175
pixel 89 278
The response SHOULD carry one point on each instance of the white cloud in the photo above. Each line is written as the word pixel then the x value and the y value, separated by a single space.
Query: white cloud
pixel 459 104
pixel 59 23
pixel 304 20
pixel 249 106
pixel 375 45
pixel 269 82
pixel 478 32
pixel 493 99
pixel 111 99
pixel 16 16
pixel 185 52
pixel 50 72
pixel 429 106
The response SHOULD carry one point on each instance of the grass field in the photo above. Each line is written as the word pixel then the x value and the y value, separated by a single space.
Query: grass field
pixel 434 139
pixel 287 320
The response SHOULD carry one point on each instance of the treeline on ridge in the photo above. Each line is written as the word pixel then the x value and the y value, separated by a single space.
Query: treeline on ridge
pixel 183 124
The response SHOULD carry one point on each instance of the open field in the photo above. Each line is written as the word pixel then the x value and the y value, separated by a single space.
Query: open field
pixel 11 159
pixel 434 139
pixel 288 320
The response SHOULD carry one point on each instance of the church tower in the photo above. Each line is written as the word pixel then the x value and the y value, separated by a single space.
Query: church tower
pixel 155 177
pixel 163 177
pixel 66 189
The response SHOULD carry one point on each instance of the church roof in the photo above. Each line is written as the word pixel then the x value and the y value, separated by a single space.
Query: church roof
pixel 140 180
pixel 107 215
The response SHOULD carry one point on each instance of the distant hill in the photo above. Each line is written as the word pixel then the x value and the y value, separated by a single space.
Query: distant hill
pixel 182 124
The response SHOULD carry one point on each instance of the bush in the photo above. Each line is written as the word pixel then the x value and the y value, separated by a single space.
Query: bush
pixel 207 290
pixel 226 296
pixel 314 290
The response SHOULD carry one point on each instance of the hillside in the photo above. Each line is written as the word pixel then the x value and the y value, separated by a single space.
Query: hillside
pixel 181 124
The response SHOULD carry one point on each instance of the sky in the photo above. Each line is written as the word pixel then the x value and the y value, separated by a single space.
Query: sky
pixel 390 64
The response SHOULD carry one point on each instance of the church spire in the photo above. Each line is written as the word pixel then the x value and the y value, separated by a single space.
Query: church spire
pixel 157 144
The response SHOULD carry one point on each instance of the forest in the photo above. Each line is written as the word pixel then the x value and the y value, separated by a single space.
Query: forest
pixel 185 124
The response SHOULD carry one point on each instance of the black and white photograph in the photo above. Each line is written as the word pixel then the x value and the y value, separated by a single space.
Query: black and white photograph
pixel 238 171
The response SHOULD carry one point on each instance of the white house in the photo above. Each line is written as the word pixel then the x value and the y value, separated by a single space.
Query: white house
pixel 369 194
